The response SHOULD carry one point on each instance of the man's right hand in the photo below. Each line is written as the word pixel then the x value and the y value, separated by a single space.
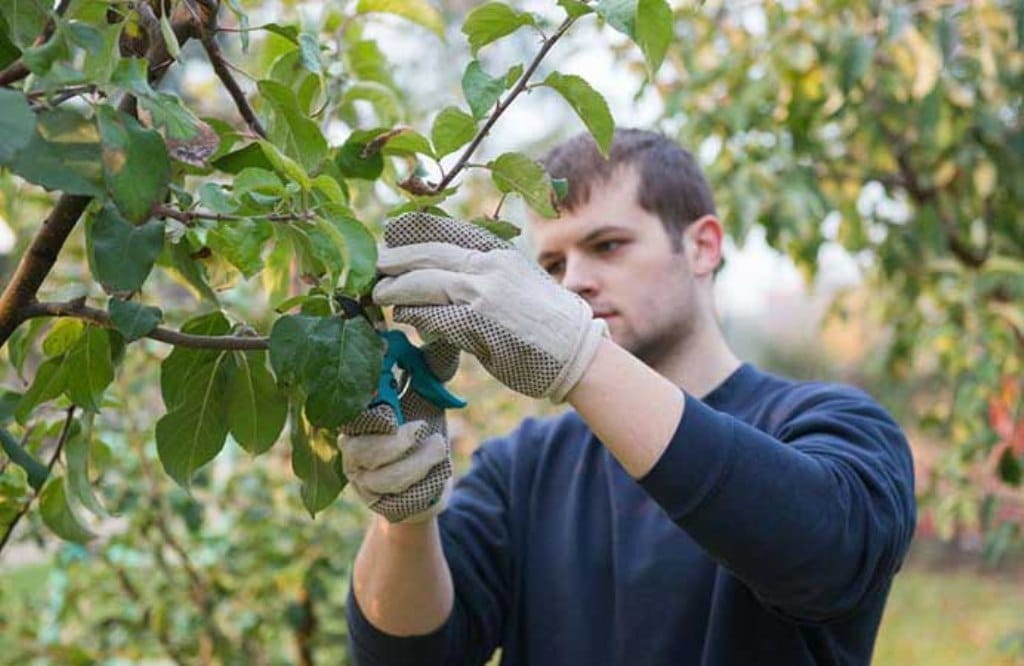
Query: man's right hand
pixel 403 472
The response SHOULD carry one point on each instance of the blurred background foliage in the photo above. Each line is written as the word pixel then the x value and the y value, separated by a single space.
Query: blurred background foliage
pixel 885 136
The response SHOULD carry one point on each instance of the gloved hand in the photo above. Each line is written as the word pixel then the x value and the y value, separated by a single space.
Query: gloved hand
pixel 403 472
pixel 460 283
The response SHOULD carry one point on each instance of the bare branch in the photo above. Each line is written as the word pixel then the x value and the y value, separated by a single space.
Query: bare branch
pixel 100 318
pixel 502 105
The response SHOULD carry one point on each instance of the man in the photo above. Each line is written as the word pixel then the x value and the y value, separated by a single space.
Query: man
pixel 744 519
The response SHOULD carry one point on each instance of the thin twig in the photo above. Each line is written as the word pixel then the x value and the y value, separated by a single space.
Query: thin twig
pixel 189 216
pixel 502 105
pixel 65 431
pixel 100 318
pixel 220 66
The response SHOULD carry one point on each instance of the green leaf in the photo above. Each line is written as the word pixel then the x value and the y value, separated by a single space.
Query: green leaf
pixel 8 51
pixel 575 8
pixel 49 382
pixel 619 14
pixel 314 462
pixel 588 104
pixel 417 11
pixel 62 154
pixel 453 128
pixel 359 249
pixel 24 19
pixel 500 228
pixel 241 243
pixel 406 143
pixel 383 99
pixel 492 21
pixel 58 515
pixel 8 402
pixel 62 336
pixel 480 89
pixel 251 155
pixel 90 369
pixel 515 172
pixel 123 254
pixel 136 165
pixel 291 130
pixel 354 161
pixel 76 454
pixel 177 259
pixel 167 110
pixel 285 165
pixel 289 345
pixel 35 471
pixel 654 28
pixel 17 123
pixel 341 370
pixel 194 432
pixel 133 320
pixel 257 408
pixel 14 493
pixel 368 63
pixel 170 39
pixel 309 48
pixel 183 362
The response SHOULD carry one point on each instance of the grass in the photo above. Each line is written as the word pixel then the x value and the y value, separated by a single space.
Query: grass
pixel 951 614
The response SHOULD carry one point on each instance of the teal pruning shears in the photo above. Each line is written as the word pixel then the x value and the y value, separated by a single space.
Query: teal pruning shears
pixel 404 367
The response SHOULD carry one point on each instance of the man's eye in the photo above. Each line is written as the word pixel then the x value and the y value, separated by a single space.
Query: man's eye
pixel 555 267
pixel 608 246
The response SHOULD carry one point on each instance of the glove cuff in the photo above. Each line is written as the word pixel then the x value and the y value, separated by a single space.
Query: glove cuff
pixel 592 331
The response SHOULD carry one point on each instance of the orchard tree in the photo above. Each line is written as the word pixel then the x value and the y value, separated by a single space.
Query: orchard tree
pixel 156 186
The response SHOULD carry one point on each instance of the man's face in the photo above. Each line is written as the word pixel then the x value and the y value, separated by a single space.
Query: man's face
pixel 620 259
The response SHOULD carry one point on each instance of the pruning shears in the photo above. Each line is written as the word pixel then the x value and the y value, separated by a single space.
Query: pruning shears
pixel 404 366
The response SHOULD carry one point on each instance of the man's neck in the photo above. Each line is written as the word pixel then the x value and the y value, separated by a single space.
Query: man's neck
pixel 701 362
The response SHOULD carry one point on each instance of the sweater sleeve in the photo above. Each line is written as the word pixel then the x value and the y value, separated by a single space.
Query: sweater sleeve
pixel 475 539
pixel 815 517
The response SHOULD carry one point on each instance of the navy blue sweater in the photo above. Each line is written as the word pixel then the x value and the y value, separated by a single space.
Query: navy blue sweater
pixel 768 533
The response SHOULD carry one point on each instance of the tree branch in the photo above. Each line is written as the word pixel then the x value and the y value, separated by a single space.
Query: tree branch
pixel 502 105
pixel 190 216
pixel 98 317
pixel 220 66
pixel 49 470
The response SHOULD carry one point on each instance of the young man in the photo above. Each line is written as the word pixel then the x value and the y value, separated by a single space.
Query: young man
pixel 691 509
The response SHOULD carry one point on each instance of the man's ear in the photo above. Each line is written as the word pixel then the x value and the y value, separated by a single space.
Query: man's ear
pixel 703 244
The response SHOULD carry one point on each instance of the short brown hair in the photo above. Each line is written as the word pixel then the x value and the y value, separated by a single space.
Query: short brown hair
pixel 672 185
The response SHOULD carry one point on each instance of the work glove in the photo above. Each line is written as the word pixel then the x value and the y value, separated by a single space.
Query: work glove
pixel 459 283
pixel 403 472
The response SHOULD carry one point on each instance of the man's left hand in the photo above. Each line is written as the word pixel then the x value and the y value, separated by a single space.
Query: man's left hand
pixel 460 283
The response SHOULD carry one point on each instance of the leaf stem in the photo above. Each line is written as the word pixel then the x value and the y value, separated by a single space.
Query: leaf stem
pixel 98 317
pixel 503 104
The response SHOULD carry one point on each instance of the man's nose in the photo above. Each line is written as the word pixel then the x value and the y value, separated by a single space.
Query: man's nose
pixel 580 277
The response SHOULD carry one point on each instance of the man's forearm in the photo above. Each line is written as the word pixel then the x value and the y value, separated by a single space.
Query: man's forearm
pixel 632 409
pixel 402 581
